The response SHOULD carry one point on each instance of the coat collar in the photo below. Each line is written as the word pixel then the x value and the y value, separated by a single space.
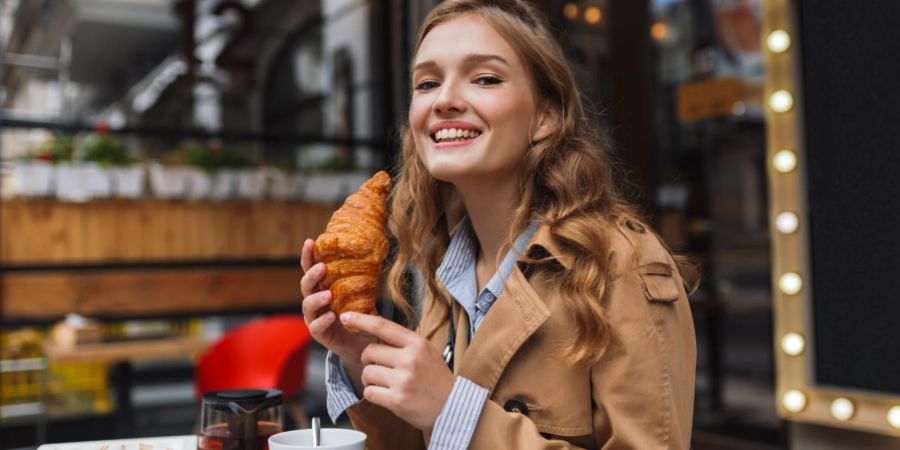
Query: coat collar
pixel 543 245
pixel 516 315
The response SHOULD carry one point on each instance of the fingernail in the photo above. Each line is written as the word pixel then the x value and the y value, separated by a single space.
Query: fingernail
pixel 320 267
pixel 345 317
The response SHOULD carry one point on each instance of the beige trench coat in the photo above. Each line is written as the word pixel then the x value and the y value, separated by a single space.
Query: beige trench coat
pixel 639 396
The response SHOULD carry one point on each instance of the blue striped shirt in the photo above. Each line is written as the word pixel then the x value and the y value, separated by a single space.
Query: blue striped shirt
pixel 456 422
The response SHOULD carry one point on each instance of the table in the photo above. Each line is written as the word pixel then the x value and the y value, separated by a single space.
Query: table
pixel 125 351
pixel 188 442
pixel 121 354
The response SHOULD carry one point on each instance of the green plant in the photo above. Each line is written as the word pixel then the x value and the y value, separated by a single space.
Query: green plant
pixel 106 151
pixel 208 157
pixel 233 158
pixel 173 157
pixel 55 150
pixel 286 161
pixel 191 153
pixel 335 164
pixel 199 156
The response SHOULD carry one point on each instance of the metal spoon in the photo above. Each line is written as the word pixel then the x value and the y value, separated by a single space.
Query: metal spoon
pixel 317 429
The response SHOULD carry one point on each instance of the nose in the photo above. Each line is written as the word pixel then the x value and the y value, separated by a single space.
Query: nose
pixel 449 99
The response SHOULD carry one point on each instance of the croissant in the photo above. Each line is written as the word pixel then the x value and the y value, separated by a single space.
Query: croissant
pixel 354 245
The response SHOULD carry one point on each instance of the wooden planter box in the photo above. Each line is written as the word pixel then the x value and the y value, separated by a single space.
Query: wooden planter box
pixel 155 257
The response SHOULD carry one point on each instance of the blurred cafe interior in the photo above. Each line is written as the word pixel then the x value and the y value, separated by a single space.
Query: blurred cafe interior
pixel 163 161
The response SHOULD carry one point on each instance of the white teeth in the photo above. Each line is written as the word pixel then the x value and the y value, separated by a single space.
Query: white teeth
pixel 455 133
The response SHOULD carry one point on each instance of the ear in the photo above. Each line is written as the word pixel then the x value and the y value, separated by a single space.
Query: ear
pixel 547 121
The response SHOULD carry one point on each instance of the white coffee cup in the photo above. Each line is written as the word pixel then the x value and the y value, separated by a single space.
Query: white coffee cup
pixel 329 439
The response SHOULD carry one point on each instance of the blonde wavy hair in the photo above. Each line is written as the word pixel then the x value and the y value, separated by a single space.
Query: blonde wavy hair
pixel 567 185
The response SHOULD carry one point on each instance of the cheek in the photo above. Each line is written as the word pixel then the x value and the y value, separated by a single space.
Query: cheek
pixel 419 107
pixel 513 112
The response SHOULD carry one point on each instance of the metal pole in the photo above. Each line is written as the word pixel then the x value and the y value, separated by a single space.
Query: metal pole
pixel 44 416
pixel 65 61
pixel 2 106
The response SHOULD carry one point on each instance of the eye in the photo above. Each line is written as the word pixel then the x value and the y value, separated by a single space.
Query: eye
pixel 488 80
pixel 426 85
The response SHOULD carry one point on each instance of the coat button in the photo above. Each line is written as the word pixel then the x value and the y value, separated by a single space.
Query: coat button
pixel 516 405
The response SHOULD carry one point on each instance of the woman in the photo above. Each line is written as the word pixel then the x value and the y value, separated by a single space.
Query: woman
pixel 565 319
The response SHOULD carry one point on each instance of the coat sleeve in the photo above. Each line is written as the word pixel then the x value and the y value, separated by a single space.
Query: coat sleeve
pixel 383 429
pixel 642 388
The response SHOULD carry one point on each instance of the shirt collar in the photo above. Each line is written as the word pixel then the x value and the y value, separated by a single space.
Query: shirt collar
pixel 460 259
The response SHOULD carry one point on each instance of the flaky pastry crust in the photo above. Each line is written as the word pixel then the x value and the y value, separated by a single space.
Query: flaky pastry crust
pixel 353 247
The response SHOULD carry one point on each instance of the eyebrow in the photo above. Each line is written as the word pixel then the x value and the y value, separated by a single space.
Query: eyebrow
pixel 470 60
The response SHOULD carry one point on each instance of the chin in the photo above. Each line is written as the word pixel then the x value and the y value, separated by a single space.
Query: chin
pixel 449 168
pixel 448 173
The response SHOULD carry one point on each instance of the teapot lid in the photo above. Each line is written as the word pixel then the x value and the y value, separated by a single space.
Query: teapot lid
pixel 246 398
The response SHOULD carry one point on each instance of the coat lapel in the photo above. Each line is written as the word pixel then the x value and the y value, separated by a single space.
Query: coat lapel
pixel 516 315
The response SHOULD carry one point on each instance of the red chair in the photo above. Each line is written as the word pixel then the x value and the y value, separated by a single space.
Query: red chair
pixel 264 353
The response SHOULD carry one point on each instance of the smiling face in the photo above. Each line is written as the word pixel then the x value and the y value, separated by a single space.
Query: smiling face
pixel 472 113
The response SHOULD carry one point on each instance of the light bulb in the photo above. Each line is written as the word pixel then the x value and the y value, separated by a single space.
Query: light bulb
pixel 793 344
pixel 659 30
pixel 790 283
pixel 593 15
pixel 794 400
pixel 778 41
pixel 842 409
pixel 785 161
pixel 570 10
pixel 781 101
pixel 787 222
pixel 893 416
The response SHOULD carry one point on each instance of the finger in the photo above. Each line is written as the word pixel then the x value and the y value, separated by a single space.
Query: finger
pixel 381 354
pixel 311 278
pixel 389 332
pixel 306 255
pixel 318 326
pixel 315 305
pixel 373 375
pixel 378 395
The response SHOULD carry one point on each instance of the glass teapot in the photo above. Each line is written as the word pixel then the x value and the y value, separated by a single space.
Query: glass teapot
pixel 240 419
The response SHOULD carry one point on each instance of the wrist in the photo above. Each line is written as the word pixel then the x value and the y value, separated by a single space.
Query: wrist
pixel 354 373
pixel 350 362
